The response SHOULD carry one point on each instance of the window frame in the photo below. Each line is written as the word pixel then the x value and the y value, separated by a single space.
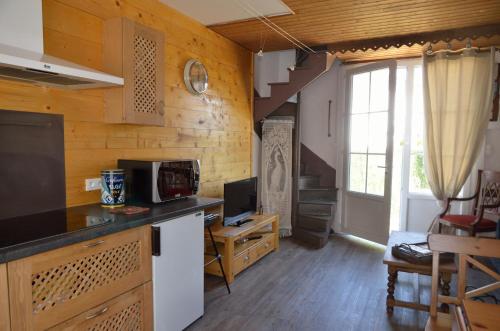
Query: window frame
pixel 348 152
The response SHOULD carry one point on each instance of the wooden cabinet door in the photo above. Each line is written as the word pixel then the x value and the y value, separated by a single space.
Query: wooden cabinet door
pixel 135 52
pixel 49 288
pixel 131 311
pixel 4 299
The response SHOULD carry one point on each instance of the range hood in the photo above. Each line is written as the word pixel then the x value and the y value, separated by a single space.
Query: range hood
pixel 21 52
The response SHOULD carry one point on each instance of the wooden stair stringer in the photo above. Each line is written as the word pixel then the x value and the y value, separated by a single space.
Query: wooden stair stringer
pixel 315 65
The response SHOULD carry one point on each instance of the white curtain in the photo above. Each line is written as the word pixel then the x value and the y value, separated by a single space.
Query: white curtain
pixel 458 96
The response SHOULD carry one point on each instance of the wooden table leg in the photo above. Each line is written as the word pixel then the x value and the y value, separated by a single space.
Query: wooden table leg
pixel 445 289
pixel 391 286
pixel 228 256
pixel 276 230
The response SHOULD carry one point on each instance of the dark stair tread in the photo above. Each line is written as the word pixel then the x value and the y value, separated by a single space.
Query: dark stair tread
pixel 324 218
pixel 278 83
pixel 317 234
pixel 299 68
pixel 317 188
pixel 315 239
pixel 309 176
pixel 309 214
pixel 318 202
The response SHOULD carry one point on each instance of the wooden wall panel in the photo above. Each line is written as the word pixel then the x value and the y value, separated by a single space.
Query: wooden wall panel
pixel 215 129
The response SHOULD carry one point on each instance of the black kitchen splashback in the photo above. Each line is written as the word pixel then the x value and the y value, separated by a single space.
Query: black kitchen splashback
pixel 32 178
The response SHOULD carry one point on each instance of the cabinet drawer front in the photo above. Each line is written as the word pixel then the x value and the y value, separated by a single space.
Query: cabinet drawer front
pixel 254 253
pixel 266 246
pixel 128 312
pixel 242 261
pixel 51 287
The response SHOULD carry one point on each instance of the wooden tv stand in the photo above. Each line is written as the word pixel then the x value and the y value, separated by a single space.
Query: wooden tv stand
pixel 243 255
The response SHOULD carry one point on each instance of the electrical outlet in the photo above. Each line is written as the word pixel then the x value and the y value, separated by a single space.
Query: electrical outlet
pixel 92 184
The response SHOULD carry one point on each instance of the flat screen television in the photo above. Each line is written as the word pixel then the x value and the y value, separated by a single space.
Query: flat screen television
pixel 240 200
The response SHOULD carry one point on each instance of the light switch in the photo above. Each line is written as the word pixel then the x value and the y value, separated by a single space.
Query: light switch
pixel 92 184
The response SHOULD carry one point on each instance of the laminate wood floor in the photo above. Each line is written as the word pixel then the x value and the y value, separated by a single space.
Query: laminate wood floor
pixel 339 287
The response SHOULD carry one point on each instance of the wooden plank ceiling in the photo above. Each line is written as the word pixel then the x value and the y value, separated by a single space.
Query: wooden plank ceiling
pixel 323 22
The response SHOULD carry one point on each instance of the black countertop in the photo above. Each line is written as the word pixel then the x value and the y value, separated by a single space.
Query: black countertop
pixel 28 235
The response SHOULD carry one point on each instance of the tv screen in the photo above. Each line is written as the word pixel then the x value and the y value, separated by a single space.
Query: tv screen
pixel 240 200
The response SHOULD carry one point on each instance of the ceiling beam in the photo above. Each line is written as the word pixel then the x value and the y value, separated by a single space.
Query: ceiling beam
pixel 416 38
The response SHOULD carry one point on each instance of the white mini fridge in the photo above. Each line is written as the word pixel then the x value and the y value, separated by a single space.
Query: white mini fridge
pixel 178 258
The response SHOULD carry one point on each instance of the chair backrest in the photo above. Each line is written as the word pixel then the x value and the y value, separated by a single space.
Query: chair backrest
pixel 465 247
pixel 487 192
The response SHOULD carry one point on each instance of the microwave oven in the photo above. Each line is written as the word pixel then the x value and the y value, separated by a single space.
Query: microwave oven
pixel 155 181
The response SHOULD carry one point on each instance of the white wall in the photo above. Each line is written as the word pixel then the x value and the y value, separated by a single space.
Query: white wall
pixel 492 148
pixel 314 123
pixel 314 115
pixel 272 68
pixel 420 213
pixel 256 154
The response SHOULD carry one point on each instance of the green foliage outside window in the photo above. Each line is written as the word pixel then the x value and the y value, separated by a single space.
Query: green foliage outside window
pixel 418 178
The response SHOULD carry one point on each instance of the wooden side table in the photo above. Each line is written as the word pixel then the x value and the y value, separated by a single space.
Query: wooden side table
pixel 237 256
pixel 395 265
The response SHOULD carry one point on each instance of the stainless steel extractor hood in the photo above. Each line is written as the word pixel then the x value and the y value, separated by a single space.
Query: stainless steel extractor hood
pixel 21 52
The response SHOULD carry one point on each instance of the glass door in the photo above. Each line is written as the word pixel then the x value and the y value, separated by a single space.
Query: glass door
pixel 368 158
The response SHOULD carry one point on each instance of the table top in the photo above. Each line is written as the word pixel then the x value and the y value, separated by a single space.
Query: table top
pixel 399 237
pixel 482 316
pixel 233 232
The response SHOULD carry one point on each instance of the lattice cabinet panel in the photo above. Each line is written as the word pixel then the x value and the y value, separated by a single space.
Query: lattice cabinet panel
pixel 51 287
pixel 128 312
pixel 59 284
pixel 135 52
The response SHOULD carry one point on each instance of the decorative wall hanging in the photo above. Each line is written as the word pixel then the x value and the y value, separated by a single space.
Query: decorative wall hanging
pixel 276 184
pixel 195 77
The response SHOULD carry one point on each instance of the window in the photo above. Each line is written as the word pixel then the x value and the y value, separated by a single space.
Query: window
pixel 418 180
pixel 368 132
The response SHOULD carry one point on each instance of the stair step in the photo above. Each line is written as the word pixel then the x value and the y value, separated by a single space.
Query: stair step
pixel 314 66
pixel 299 68
pixel 308 181
pixel 279 83
pixel 321 217
pixel 315 239
pixel 320 210
pixel 317 195
pixel 318 202
pixel 318 188
pixel 315 223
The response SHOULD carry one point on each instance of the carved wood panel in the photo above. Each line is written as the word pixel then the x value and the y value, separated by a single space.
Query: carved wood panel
pixel 276 177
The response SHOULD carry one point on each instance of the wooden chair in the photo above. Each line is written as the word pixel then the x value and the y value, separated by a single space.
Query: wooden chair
pixel 467 314
pixel 486 206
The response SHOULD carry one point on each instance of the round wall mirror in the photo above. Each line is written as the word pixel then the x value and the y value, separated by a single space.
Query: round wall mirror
pixel 195 77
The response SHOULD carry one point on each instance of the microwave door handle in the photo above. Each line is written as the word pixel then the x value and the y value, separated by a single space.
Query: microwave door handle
pixel 196 174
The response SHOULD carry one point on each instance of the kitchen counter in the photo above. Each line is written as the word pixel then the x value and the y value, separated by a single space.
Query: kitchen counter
pixel 29 235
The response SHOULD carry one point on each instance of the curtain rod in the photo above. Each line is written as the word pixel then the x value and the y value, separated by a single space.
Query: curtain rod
pixel 429 51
